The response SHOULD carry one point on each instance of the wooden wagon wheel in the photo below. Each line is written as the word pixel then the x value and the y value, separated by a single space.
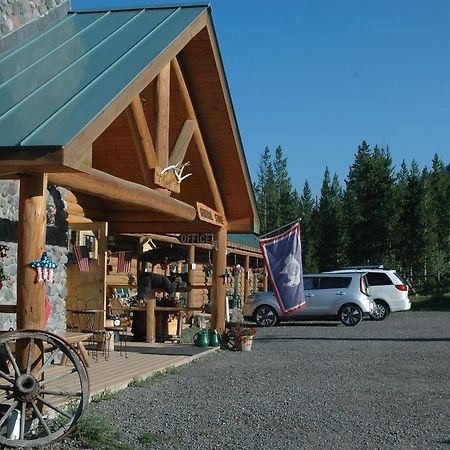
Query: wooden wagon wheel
pixel 40 401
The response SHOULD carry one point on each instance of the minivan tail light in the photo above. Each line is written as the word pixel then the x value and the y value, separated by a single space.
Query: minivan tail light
pixel 402 287
pixel 363 286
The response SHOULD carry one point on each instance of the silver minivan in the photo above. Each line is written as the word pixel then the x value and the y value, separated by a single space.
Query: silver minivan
pixel 344 297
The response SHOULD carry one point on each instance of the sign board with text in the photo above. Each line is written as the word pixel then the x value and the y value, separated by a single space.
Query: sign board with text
pixel 207 214
pixel 196 238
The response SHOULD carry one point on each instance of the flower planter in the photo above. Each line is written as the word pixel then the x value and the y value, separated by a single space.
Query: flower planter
pixel 245 345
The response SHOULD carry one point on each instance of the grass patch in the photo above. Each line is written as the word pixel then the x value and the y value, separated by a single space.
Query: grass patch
pixel 151 438
pixel 143 382
pixel 93 431
pixel 105 396
pixel 433 302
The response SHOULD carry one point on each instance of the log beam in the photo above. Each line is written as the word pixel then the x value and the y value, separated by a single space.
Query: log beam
pixel 162 116
pixel 182 143
pixel 109 187
pixel 142 138
pixel 218 204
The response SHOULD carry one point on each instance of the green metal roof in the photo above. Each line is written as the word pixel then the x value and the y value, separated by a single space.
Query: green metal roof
pixel 57 82
pixel 250 240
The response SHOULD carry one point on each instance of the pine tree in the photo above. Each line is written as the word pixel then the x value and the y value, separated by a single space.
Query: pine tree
pixel 369 206
pixel 265 192
pixel 308 230
pixel 440 205
pixel 285 201
pixel 329 224
pixel 412 242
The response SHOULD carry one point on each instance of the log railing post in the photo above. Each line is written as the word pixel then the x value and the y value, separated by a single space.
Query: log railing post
pixel 219 288
pixel 246 279
pixel 191 272
pixel 151 321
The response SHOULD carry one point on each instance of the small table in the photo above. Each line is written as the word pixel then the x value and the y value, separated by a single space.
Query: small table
pixel 76 339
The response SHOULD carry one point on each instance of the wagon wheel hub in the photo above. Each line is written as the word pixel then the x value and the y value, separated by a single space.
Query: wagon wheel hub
pixel 26 387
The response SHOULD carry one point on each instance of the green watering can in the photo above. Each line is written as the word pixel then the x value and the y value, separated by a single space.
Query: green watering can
pixel 214 340
pixel 201 339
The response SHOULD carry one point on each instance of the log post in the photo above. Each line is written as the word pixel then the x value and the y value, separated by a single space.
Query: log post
pixel 219 288
pixel 151 321
pixel 191 272
pixel 31 244
pixel 246 279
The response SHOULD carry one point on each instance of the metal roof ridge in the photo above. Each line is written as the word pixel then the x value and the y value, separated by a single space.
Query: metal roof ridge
pixel 136 7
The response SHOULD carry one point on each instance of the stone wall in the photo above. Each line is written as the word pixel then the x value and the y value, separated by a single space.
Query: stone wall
pixel 56 248
pixel 20 19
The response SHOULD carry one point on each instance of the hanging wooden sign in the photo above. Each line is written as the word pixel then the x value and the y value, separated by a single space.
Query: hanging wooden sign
pixel 207 214
pixel 196 238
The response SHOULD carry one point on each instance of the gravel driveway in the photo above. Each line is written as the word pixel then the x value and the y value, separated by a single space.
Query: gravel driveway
pixel 379 385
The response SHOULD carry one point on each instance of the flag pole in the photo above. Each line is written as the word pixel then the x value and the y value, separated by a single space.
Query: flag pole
pixel 280 228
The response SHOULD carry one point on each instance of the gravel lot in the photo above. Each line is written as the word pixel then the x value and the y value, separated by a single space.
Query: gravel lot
pixel 379 385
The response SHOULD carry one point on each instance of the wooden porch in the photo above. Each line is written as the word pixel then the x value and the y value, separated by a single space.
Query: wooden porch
pixel 140 361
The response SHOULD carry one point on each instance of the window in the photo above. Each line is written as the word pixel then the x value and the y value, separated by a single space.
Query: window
pixel 378 279
pixel 334 282
pixel 310 283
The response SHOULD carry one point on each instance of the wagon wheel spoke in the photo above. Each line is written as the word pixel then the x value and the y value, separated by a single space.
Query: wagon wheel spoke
pixel 58 377
pixel 61 392
pixel 6 397
pixel 30 355
pixel 55 408
pixel 50 359
pixel 41 419
pixel 8 413
pixel 22 420
pixel 6 377
pixel 12 359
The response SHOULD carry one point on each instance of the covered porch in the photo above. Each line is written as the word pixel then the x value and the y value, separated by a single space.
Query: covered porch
pixel 128 112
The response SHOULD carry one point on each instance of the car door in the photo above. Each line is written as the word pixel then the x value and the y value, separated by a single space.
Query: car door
pixel 310 286
pixel 330 294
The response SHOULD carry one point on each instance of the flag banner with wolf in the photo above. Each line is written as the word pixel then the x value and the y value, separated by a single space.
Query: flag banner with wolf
pixel 283 260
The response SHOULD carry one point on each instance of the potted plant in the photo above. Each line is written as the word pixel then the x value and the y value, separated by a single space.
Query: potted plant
pixel 236 270
pixel 239 336
pixel 208 269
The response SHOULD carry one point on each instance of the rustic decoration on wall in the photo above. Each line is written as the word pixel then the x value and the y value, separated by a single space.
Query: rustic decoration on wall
pixel 177 169
pixel 45 269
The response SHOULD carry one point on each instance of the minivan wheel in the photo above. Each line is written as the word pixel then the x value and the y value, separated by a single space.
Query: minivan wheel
pixel 381 310
pixel 265 316
pixel 350 315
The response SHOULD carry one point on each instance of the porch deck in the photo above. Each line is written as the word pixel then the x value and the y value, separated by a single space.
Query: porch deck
pixel 142 360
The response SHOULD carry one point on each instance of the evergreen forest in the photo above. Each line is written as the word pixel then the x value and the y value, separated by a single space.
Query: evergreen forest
pixel 380 215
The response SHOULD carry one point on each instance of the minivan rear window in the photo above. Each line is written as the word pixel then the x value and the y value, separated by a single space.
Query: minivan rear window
pixel 334 282
pixel 378 279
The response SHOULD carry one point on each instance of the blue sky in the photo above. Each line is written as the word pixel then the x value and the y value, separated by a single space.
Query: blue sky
pixel 319 76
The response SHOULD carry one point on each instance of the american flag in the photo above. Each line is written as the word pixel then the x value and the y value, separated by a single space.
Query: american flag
pixel 124 262
pixel 82 255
